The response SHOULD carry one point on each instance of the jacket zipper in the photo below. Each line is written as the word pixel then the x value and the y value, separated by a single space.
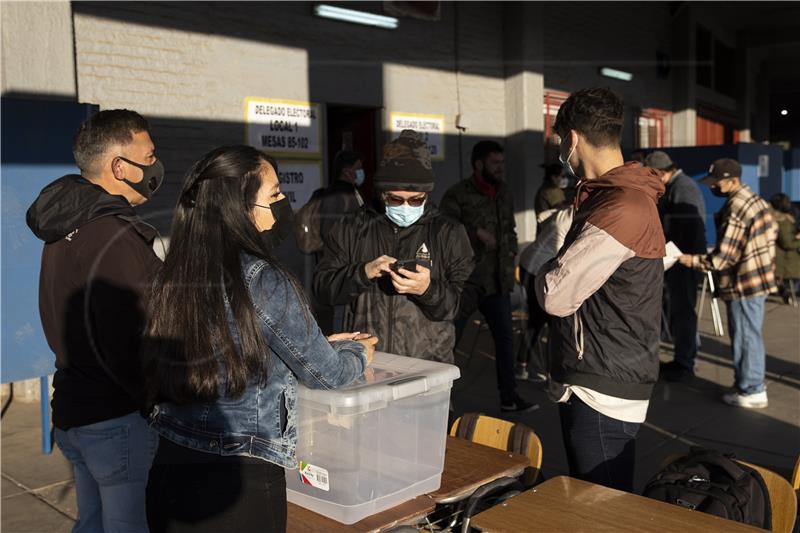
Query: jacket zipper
pixel 390 343
pixel 578 335
pixel 498 230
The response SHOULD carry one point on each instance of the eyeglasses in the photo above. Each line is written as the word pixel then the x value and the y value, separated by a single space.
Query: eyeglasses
pixel 396 201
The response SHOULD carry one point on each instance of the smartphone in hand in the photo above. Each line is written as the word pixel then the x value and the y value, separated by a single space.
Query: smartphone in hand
pixel 408 264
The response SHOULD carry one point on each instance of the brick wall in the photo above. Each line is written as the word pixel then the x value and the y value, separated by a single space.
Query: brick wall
pixel 189 67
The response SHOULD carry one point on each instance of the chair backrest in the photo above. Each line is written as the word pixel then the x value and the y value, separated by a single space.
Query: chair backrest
pixel 796 475
pixel 500 434
pixel 783 500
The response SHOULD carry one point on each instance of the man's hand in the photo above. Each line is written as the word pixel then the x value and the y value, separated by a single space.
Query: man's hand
pixel 487 238
pixel 408 282
pixel 379 266
pixel 685 260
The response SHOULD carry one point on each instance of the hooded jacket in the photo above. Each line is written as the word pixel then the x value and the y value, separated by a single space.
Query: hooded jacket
pixel 604 287
pixel 97 264
pixel 415 326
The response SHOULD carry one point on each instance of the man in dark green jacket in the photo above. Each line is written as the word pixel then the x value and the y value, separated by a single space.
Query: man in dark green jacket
pixel 483 204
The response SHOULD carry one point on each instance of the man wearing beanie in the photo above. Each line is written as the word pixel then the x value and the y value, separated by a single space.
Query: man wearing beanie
pixel 399 270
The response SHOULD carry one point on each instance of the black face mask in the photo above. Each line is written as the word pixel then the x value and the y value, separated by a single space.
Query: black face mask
pixel 718 193
pixel 152 177
pixel 284 222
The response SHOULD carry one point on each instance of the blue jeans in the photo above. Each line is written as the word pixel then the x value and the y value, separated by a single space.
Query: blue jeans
pixel 745 322
pixel 599 449
pixel 111 462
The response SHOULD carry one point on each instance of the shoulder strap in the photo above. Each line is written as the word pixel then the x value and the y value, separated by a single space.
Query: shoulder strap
pixel 731 467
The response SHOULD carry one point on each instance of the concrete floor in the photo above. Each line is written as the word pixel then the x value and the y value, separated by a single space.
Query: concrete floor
pixel 680 415
pixel 38 494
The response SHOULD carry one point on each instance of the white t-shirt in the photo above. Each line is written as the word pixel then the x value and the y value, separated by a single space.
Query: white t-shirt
pixel 634 411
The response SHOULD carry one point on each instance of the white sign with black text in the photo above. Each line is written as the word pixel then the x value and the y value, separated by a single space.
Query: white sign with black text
pixel 430 126
pixel 299 180
pixel 283 127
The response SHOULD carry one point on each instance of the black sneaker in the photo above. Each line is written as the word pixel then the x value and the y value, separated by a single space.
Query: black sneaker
pixel 675 372
pixel 517 405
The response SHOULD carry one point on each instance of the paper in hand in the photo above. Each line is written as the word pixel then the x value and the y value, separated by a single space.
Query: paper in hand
pixel 672 253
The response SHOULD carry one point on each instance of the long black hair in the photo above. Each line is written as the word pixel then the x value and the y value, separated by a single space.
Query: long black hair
pixel 188 341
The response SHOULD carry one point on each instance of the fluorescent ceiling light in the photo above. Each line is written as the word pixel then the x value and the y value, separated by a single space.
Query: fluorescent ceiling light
pixel 616 74
pixel 356 17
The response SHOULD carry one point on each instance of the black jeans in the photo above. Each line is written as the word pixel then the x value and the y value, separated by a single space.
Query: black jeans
pixel 496 309
pixel 600 449
pixel 681 284
pixel 193 491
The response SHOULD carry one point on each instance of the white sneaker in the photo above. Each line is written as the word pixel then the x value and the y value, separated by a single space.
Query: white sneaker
pixel 537 377
pixel 756 400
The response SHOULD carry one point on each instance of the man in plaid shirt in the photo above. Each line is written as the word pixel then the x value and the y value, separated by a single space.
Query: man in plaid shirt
pixel 744 259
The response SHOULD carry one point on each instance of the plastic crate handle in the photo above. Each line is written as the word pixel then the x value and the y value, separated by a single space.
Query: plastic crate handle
pixel 408 386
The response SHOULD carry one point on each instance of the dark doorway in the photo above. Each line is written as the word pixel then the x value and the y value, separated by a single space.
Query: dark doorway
pixel 354 128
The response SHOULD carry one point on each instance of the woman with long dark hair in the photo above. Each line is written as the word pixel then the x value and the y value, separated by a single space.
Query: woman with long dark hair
pixel 229 337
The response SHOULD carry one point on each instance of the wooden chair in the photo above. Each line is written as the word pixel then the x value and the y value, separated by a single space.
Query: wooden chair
pixel 796 475
pixel 782 499
pixel 503 435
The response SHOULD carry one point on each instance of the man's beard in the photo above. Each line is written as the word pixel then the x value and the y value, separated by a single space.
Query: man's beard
pixel 489 178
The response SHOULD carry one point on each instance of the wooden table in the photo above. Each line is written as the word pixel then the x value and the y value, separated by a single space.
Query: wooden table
pixel 467 466
pixel 567 505
pixel 410 512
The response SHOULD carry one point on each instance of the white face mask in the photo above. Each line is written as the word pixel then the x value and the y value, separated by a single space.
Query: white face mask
pixel 566 164
pixel 360 176
pixel 404 215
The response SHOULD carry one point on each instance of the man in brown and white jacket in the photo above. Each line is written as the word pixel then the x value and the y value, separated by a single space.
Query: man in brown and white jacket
pixel 604 290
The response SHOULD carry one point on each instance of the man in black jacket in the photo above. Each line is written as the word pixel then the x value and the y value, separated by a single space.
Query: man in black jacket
pixel 604 291
pixel 400 273
pixel 97 264
pixel 683 214
pixel 335 201
pixel 342 196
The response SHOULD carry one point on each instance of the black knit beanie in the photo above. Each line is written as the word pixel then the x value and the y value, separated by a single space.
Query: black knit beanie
pixel 406 165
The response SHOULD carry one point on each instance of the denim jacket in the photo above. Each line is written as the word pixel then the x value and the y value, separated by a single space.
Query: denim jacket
pixel 262 422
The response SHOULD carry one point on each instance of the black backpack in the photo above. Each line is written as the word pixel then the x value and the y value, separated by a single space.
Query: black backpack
pixel 713 483
pixel 308 223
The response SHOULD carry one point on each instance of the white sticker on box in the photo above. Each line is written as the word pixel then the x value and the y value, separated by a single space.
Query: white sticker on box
pixel 315 476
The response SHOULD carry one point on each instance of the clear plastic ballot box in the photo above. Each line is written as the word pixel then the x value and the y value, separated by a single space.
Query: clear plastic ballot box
pixel 376 443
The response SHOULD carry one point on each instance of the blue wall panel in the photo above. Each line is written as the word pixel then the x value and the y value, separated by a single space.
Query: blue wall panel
pixel 36 149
